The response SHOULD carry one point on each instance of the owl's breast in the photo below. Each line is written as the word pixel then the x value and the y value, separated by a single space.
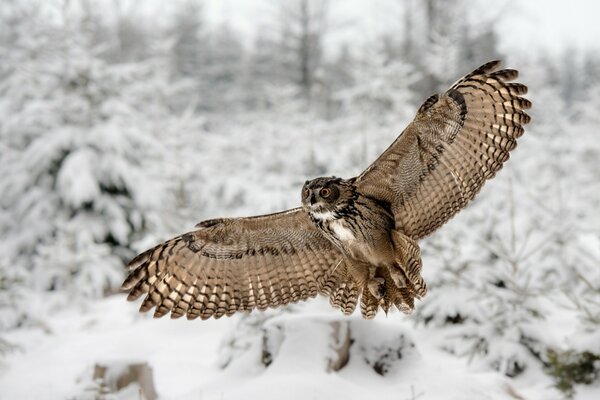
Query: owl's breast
pixel 341 231
pixel 361 231
pixel 335 228
pixel 351 241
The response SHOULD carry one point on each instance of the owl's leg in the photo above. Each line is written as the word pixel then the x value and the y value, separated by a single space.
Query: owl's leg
pixel 398 276
pixel 376 286
pixel 366 275
pixel 372 293
pixel 382 288
pixel 373 283
pixel 406 271
pixel 359 271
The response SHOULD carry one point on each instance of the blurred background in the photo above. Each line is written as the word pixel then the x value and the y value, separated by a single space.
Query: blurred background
pixel 123 123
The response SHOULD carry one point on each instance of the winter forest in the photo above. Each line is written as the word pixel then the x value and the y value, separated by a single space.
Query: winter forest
pixel 124 123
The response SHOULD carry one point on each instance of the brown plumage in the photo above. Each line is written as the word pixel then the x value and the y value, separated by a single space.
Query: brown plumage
pixel 351 239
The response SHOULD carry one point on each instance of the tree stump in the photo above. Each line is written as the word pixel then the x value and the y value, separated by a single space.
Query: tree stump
pixel 116 376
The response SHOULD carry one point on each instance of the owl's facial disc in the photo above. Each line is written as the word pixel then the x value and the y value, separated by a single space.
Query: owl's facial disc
pixel 320 194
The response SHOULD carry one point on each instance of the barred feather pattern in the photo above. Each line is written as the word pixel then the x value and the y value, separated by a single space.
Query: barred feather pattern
pixel 235 265
pixel 403 298
pixel 343 291
pixel 409 265
pixel 457 141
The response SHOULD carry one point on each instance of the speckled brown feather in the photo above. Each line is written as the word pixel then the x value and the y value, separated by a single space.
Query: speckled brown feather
pixel 457 141
pixel 234 265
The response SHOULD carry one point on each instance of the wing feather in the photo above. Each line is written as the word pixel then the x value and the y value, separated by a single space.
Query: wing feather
pixel 231 265
pixel 457 141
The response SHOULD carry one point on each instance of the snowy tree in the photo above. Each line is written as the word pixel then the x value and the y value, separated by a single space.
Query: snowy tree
pixel 224 69
pixel 454 42
pixel 131 36
pixel 190 46
pixel 85 144
pixel 263 71
pixel 382 87
pixel 303 25
pixel 213 61
pixel 489 290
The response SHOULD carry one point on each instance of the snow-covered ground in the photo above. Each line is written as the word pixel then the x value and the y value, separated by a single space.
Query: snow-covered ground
pixel 56 362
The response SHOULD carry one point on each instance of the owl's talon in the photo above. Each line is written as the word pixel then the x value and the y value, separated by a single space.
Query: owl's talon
pixel 398 278
pixel 377 287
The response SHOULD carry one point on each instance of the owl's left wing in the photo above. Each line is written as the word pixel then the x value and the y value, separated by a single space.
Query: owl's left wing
pixel 235 264
pixel 457 141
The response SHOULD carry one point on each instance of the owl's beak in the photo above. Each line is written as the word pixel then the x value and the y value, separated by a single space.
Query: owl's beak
pixel 313 199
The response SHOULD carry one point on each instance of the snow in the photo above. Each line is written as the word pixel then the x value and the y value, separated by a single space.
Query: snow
pixel 76 180
pixel 184 357
pixel 108 332
pixel 120 129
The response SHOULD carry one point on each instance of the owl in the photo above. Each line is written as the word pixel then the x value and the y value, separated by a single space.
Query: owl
pixel 354 240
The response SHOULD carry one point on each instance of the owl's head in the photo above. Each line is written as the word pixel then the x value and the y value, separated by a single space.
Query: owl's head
pixel 327 194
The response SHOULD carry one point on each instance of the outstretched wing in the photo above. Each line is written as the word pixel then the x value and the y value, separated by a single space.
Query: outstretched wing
pixel 457 140
pixel 231 265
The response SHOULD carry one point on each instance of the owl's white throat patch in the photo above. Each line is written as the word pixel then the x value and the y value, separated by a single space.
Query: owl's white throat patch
pixel 335 224
pixel 324 216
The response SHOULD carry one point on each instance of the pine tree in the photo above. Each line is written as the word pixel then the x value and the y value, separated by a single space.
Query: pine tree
pixel 84 152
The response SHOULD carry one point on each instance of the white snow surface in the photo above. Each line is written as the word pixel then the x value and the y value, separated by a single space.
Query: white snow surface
pixel 56 360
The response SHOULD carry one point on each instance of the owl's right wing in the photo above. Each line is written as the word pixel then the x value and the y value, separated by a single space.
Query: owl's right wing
pixel 235 264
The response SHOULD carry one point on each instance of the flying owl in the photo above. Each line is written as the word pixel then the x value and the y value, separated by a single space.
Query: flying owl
pixel 354 240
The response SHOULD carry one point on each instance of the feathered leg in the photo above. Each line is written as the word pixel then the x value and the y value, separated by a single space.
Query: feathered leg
pixel 406 272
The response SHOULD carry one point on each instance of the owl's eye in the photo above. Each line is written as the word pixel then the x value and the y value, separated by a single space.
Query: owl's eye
pixel 305 192
pixel 325 193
